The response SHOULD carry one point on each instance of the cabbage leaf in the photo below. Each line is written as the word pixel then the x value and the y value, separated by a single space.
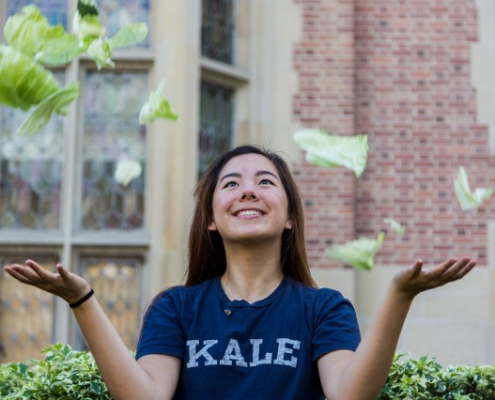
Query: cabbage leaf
pixel 30 33
pixel 126 171
pixel 129 35
pixel 467 199
pixel 87 28
pixel 329 151
pixel 101 53
pixel 358 253
pixel 157 107
pixel 57 102
pixel 395 226
pixel 24 82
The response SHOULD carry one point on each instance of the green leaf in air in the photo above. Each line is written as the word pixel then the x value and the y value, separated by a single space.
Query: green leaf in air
pixel 87 28
pixel 467 199
pixel 157 107
pixel 87 7
pixel 129 35
pixel 395 226
pixel 358 253
pixel 26 31
pixel 23 82
pixel 328 151
pixel 101 53
pixel 57 102
pixel 127 170
pixel 30 33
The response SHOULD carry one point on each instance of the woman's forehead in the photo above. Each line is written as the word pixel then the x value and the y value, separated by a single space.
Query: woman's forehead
pixel 248 164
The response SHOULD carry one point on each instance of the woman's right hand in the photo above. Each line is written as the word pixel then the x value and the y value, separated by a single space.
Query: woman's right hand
pixel 65 284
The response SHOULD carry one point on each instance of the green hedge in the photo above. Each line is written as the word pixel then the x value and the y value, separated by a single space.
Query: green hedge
pixel 68 374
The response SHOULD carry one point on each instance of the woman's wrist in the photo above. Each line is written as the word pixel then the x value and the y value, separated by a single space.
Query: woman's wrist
pixel 82 300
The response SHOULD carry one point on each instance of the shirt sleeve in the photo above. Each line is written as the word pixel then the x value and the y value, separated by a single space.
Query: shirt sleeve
pixel 336 326
pixel 161 332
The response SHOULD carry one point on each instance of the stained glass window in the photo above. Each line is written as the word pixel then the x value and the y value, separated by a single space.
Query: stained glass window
pixel 117 282
pixel 216 123
pixel 218 30
pixel 54 10
pixel 114 14
pixel 30 172
pixel 112 102
pixel 26 315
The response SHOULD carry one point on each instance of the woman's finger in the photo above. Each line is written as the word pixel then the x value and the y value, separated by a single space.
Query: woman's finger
pixel 64 274
pixel 465 270
pixel 416 269
pixel 12 271
pixel 454 270
pixel 39 270
pixel 442 268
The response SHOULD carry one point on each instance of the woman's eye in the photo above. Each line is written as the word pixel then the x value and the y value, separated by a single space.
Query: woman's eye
pixel 231 184
pixel 266 182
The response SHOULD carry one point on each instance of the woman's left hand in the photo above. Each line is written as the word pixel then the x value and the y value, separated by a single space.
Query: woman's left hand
pixel 415 280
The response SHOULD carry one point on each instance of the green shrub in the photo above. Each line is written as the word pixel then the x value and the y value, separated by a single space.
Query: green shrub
pixel 63 374
pixel 68 374
pixel 424 378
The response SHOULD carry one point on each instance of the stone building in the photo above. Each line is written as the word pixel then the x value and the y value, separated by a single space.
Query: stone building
pixel 417 77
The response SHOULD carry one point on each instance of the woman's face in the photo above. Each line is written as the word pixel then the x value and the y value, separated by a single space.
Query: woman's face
pixel 249 202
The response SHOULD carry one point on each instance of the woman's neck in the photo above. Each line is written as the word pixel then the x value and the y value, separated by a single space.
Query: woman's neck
pixel 252 274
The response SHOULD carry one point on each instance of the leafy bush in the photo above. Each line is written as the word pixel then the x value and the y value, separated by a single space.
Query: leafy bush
pixel 63 374
pixel 424 378
pixel 68 374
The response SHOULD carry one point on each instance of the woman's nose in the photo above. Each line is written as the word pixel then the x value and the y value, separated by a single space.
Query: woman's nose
pixel 249 195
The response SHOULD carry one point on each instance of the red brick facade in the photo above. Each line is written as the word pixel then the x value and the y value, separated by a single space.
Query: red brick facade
pixel 398 71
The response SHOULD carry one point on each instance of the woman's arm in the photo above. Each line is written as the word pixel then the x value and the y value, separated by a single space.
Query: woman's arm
pixel 361 375
pixel 153 377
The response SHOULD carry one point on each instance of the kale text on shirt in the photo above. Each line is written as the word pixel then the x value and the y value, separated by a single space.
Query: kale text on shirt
pixel 232 353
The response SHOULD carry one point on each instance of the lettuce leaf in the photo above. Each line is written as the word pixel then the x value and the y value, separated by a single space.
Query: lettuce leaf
pixel 358 253
pixel 30 33
pixel 24 83
pixel 395 226
pixel 57 102
pixel 26 31
pixel 87 7
pixel 87 28
pixel 467 199
pixel 126 171
pixel 101 53
pixel 157 107
pixel 328 151
pixel 129 35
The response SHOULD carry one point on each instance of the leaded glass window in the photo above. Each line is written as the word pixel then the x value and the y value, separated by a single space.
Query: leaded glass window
pixel 54 10
pixel 111 104
pixel 117 282
pixel 114 14
pixel 218 30
pixel 30 172
pixel 216 123
pixel 26 315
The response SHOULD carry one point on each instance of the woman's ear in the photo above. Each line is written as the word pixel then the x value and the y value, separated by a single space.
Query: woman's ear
pixel 288 224
pixel 212 226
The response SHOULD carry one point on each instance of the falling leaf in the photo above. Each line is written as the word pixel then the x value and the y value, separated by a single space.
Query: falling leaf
pixel 127 170
pixel 467 199
pixel 157 107
pixel 395 226
pixel 358 253
pixel 328 151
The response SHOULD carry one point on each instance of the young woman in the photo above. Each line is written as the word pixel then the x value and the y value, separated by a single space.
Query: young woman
pixel 249 322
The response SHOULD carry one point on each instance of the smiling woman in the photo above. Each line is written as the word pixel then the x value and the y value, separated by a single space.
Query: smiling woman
pixel 249 321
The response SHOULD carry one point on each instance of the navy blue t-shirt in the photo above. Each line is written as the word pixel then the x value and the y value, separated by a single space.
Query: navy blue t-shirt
pixel 237 350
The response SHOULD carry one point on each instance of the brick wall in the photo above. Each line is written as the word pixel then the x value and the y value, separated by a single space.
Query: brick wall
pixel 324 60
pixel 398 71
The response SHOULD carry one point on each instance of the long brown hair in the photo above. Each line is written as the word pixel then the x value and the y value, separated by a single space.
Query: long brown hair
pixel 206 250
